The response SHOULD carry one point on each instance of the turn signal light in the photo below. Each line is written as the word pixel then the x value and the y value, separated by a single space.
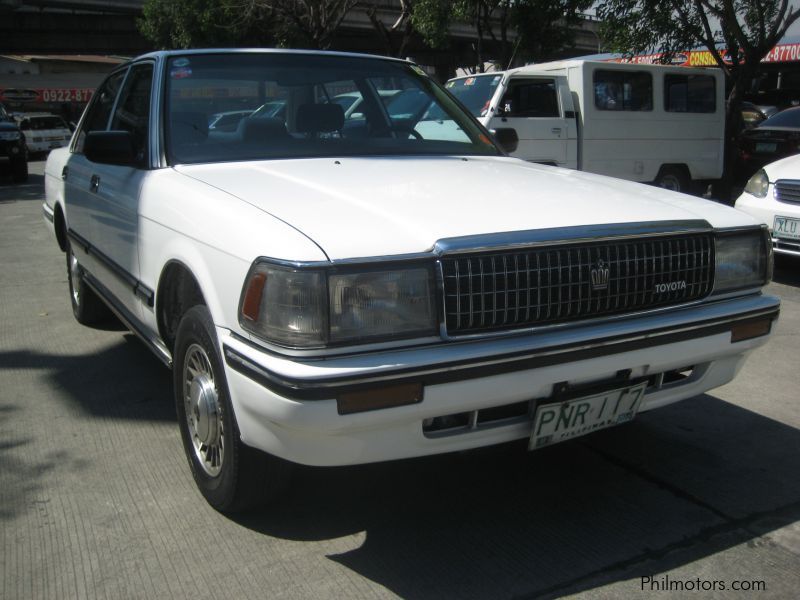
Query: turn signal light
pixel 251 304
pixel 376 398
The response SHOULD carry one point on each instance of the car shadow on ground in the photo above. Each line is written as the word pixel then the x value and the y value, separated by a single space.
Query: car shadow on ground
pixel 787 270
pixel 33 189
pixel 123 381
pixel 680 483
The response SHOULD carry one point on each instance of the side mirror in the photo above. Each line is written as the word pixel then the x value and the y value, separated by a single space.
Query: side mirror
pixel 506 138
pixel 110 147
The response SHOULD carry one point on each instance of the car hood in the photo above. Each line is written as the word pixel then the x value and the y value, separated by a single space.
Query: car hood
pixel 786 168
pixel 363 207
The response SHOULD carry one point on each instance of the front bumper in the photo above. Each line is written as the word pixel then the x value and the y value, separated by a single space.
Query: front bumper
pixel 288 407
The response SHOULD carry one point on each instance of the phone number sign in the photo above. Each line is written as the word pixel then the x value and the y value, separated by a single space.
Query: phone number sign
pixel 46 94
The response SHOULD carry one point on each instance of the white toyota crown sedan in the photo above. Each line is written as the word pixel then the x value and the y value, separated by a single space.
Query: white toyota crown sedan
pixel 333 292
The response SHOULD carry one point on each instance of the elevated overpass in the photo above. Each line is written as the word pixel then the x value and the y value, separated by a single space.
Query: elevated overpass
pixel 109 27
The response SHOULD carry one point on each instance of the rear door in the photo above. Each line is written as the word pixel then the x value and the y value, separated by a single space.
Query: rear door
pixel 532 107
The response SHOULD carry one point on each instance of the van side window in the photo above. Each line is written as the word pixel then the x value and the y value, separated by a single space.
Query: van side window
pixel 619 90
pixel 96 118
pixel 690 93
pixel 531 98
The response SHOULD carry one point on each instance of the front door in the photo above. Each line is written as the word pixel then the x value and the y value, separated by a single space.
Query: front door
pixel 531 106
pixel 111 196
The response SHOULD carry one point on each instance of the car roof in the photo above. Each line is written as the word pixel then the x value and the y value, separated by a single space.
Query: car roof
pixel 164 54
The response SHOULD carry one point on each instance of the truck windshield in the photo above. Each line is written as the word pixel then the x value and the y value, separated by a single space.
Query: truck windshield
pixel 475 92
pixel 400 110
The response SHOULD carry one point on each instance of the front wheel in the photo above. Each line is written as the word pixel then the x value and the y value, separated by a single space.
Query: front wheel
pixel 231 476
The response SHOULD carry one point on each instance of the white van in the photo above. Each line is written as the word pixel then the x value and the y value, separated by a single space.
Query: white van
pixel 44 132
pixel 648 123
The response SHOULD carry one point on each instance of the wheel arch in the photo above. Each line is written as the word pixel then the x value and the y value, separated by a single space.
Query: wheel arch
pixel 682 168
pixel 177 291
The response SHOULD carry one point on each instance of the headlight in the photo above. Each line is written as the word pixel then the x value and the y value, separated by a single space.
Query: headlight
pixel 10 135
pixel 381 304
pixel 743 259
pixel 758 184
pixel 311 308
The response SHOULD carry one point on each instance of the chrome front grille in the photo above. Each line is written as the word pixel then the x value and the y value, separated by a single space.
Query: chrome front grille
pixel 787 190
pixel 553 284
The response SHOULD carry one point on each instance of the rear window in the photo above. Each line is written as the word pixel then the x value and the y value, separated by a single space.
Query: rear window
pixel 623 90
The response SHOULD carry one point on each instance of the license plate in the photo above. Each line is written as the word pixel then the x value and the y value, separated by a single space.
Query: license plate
pixel 560 421
pixel 766 147
pixel 786 227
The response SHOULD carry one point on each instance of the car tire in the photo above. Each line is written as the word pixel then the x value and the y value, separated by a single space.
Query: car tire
pixel 231 476
pixel 672 178
pixel 87 306
pixel 19 171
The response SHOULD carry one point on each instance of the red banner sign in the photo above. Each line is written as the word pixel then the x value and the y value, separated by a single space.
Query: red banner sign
pixel 704 58
pixel 41 95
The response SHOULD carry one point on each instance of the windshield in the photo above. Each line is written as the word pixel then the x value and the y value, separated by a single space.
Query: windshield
pixel 786 118
pixel 475 92
pixel 311 94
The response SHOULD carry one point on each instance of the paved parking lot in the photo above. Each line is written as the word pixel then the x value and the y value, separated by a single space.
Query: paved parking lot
pixel 96 500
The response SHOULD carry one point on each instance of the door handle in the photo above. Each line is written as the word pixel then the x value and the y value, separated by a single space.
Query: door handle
pixel 556 131
pixel 94 183
pixel 65 173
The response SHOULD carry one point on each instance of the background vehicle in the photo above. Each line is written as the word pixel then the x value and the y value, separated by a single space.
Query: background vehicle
pixel 13 150
pixel 351 101
pixel 646 123
pixel 773 138
pixel 227 121
pixel 772 195
pixel 754 114
pixel 44 132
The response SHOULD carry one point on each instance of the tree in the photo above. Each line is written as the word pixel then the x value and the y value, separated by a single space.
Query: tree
pixel 545 26
pixel 540 27
pixel 306 23
pixel 737 33
pixel 287 23
pixel 184 23
pixel 402 25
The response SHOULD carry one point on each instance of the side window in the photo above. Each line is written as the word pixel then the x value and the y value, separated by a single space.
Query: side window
pixel 690 93
pixel 133 109
pixel 622 90
pixel 100 109
pixel 533 98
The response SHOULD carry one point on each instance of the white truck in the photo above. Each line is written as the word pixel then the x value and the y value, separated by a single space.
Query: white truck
pixel 646 123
